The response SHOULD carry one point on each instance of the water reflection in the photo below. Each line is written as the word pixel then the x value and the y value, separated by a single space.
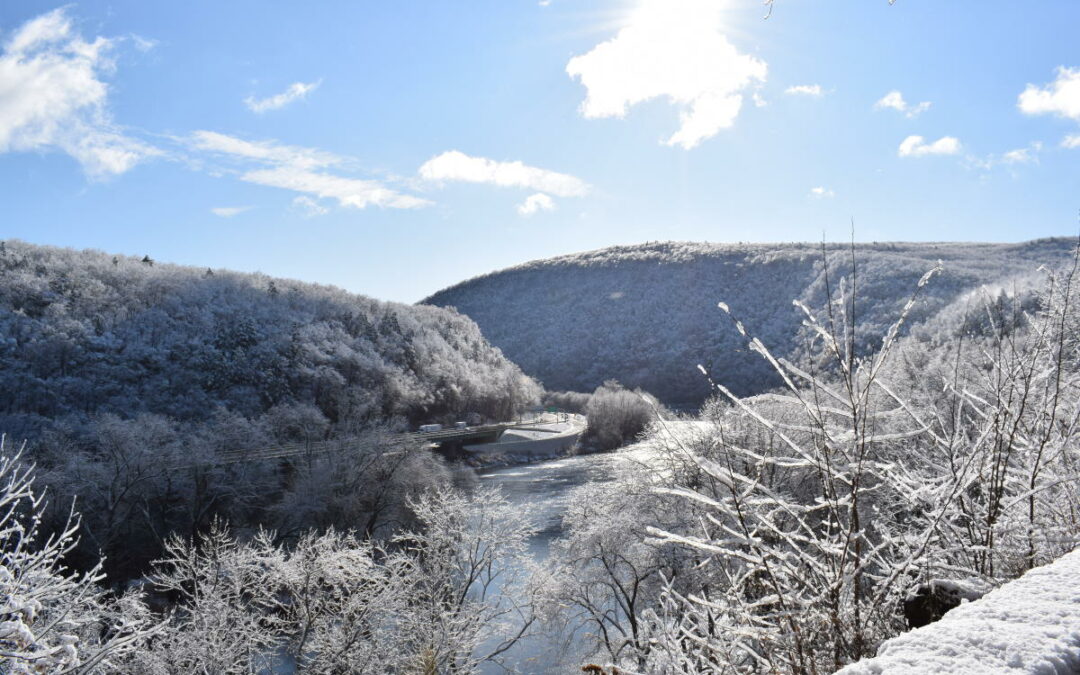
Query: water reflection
pixel 542 490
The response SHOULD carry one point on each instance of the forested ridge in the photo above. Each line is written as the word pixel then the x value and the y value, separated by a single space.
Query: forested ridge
pixel 128 379
pixel 647 314
pixel 85 332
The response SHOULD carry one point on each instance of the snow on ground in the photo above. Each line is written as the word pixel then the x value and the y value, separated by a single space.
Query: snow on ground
pixel 535 441
pixel 512 435
pixel 675 434
pixel 1031 625
pixel 662 442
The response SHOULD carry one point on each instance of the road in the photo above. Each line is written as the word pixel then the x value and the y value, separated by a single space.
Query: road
pixel 324 447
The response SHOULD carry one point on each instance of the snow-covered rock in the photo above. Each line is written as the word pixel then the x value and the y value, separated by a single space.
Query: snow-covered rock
pixel 930 601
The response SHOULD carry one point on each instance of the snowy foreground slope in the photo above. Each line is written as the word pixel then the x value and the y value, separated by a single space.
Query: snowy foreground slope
pixel 647 314
pixel 1031 625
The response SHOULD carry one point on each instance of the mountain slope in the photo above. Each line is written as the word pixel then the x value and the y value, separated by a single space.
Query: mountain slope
pixel 647 314
pixel 85 333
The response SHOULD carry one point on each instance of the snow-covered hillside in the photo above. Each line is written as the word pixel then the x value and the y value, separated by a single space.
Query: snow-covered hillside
pixel 85 333
pixel 647 314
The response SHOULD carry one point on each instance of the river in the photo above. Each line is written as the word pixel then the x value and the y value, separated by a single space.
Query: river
pixel 542 490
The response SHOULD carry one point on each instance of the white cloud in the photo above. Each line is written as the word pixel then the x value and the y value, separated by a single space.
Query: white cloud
pixel 296 91
pixel 1021 155
pixel 534 203
pixel 821 193
pixel 805 90
pixel 759 102
pixel 229 211
pixel 266 151
pixel 457 166
pixel 52 97
pixel 353 192
pixel 1071 141
pixel 1061 97
pixel 309 207
pixel 895 100
pixel 916 146
pixel 143 44
pixel 1028 155
pixel 670 49
pixel 294 168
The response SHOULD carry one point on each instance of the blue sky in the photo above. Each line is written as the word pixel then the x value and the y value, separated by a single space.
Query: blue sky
pixel 394 148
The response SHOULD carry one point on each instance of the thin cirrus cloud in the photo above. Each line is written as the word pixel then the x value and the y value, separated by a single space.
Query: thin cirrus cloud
pixel 269 152
pixel 895 100
pixel 302 170
pixel 229 211
pixel 916 146
pixel 1028 155
pixel 456 166
pixel 1060 97
pixel 53 97
pixel 821 193
pixel 295 92
pixel 674 50
pixel 354 192
pixel 1022 155
pixel 535 203
pixel 812 90
pixel 309 207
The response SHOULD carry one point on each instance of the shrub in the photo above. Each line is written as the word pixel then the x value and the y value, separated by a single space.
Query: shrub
pixel 617 415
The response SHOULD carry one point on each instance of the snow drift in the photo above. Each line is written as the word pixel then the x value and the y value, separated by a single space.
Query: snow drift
pixel 1031 625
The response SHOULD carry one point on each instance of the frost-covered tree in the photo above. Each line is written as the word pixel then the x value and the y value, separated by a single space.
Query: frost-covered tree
pixel 222 621
pixel 1001 402
pixel 471 565
pixel 344 603
pixel 604 573
pixel 617 415
pixel 333 602
pixel 819 519
pixel 365 484
pixel 570 401
pixel 53 619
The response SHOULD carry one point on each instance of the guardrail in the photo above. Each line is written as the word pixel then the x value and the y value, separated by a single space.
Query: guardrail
pixel 324 447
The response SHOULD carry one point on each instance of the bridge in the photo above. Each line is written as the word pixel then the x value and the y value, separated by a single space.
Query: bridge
pixel 486 433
